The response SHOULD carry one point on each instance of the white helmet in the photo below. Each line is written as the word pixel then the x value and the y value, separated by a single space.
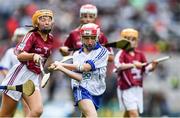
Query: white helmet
pixel 19 31
pixel 90 29
pixel 88 8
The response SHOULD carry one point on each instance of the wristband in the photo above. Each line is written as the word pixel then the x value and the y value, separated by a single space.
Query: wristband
pixel 80 67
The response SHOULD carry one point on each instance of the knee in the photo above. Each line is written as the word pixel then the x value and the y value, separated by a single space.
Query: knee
pixel 36 112
pixel 6 114
pixel 133 113
pixel 90 114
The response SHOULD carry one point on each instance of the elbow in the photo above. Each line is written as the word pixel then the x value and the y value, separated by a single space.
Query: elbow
pixel 75 76
pixel 110 58
pixel 119 68
pixel 19 57
pixel 86 70
pixel 79 79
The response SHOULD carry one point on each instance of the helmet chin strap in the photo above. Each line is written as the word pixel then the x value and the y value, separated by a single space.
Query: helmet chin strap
pixel 45 31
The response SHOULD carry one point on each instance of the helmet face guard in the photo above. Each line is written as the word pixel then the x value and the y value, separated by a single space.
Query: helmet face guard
pixel 37 15
pixel 90 30
pixel 88 9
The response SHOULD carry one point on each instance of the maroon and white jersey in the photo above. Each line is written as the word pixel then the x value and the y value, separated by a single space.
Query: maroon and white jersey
pixel 33 43
pixel 74 40
pixel 129 77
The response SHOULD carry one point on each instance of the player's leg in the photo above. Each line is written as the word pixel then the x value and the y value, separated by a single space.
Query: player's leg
pixel 8 106
pixel 128 101
pixel 133 113
pixel 25 106
pixel 133 100
pixel 34 103
pixel 87 108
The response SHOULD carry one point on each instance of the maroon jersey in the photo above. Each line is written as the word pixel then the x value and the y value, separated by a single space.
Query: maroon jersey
pixel 74 41
pixel 130 77
pixel 33 43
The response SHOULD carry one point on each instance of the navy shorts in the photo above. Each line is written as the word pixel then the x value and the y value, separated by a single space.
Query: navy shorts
pixel 81 93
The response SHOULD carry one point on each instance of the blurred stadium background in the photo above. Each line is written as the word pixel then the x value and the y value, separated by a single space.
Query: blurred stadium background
pixel 158 22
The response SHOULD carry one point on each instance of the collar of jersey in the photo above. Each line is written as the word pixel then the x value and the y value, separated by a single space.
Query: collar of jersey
pixel 96 47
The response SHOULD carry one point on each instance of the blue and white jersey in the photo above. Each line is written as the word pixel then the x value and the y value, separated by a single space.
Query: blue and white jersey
pixel 94 80
pixel 9 59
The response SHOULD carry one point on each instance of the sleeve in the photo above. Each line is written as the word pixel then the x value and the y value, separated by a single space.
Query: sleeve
pixel 26 44
pixel 6 60
pixel 100 60
pixel 69 41
pixel 118 59
pixel 102 39
pixel 143 60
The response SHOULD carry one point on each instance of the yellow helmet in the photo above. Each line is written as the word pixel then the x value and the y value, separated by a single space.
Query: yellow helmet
pixel 129 32
pixel 39 13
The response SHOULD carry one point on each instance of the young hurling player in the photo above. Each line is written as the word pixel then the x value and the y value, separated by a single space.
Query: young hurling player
pixel 35 46
pixel 131 65
pixel 89 71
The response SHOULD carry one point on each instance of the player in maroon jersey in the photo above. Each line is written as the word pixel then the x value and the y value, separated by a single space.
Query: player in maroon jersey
pixel 88 14
pixel 131 65
pixel 35 46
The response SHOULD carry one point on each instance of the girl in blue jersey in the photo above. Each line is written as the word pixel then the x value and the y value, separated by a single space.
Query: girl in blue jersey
pixel 89 71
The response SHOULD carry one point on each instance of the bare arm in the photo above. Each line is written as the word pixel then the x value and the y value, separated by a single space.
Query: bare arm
pixel 84 67
pixel 69 66
pixel 71 74
pixel 124 66
pixel 151 67
pixel 24 56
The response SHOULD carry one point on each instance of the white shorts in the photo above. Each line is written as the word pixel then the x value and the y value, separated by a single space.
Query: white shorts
pixel 131 99
pixel 19 74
